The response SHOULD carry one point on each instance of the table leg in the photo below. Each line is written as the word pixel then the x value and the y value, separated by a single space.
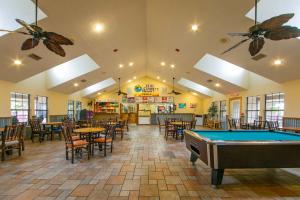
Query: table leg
pixel 217 176
pixel 193 158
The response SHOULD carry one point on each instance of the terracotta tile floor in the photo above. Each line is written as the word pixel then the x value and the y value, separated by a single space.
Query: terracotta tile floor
pixel 142 166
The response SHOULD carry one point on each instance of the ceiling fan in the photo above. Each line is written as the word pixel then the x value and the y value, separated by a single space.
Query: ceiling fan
pixel 272 29
pixel 173 90
pixel 51 40
pixel 119 91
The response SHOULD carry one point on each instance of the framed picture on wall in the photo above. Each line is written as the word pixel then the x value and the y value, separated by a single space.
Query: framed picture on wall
pixel 182 105
pixel 193 105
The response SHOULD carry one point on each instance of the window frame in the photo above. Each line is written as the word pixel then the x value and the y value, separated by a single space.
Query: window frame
pixel 257 111
pixel 36 99
pixel 71 111
pixel 280 121
pixel 21 109
pixel 223 110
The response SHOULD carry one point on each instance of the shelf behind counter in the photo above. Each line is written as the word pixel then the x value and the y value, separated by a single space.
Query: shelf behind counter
pixel 162 117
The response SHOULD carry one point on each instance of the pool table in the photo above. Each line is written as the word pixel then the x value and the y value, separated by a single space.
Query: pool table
pixel 220 149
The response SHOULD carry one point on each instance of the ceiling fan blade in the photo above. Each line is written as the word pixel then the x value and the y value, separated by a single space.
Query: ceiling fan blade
pixel 283 32
pixel 24 24
pixel 29 44
pixel 36 28
pixel 177 93
pixel 234 46
pixel 256 45
pixel 56 48
pixel 275 22
pixel 239 34
pixel 21 32
pixel 124 93
pixel 59 39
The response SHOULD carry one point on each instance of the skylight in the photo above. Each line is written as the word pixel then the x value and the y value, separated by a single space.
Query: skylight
pixel 271 8
pixel 224 70
pixel 21 9
pixel 196 87
pixel 70 70
pixel 98 86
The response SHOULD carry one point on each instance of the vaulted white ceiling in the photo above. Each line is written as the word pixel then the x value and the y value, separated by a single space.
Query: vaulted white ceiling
pixel 147 32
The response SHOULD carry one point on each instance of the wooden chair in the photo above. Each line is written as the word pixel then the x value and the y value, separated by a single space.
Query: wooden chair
pixel 119 129
pixel 11 139
pixel 170 129
pixel 231 124
pixel 160 124
pixel 126 127
pixel 106 140
pixel 193 124
pixel 37 130
pixel 74 145
pixel 258 124
pixel 273 125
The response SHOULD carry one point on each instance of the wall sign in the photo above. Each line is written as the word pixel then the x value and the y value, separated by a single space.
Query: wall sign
pixel 147 90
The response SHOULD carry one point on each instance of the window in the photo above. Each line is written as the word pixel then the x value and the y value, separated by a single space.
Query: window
pixel 222 111
pixel 41 108
pixel 19 106
pixel 253 108
pixel 275 107
pixel 71 111
pixel 78 109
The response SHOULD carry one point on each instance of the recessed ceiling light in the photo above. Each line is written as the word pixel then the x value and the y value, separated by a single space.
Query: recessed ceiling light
pixel 99 93
pixel 99 27
pixel 158 77
pixel 194 93
pixel 278 62
pixel 172 66
pixel 129 81
pixel 162 63
pixel 134 77
pixel 164 81
pixel 17 62
pixel 121 65
pixel 131 64
pixel 195 27
pixel 76 84
pixel 218 85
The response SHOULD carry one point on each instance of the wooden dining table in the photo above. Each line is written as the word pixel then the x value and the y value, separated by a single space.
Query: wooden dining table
pixel 51 124
pixel 89 132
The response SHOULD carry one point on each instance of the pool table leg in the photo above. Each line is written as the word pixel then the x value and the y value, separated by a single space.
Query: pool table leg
pixel 193 158
pixel 217 176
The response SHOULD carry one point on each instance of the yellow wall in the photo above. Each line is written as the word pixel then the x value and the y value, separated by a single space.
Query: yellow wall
pixel 260 88
pixel 57 102
pixel 185 97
